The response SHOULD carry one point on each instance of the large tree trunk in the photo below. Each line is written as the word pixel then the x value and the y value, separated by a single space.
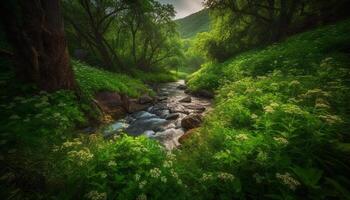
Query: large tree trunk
pixel 37 36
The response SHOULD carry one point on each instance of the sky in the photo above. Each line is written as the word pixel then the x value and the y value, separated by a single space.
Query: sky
pixel 184 7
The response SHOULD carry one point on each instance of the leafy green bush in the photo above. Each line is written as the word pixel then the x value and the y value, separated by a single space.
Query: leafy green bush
pixel 123 168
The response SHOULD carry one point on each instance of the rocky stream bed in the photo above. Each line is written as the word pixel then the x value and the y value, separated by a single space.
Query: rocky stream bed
pixel 166 118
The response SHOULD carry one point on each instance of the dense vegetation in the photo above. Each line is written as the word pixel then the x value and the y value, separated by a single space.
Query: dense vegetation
pixel 279 127
pixel 190 26
pixel 281 120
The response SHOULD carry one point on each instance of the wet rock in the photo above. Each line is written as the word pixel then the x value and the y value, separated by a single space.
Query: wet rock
pixel 159 106
pixel 111 103
pixel 172 116
pixel 140 126
pixel 170 126
pixel 205 94
pixel 195 107
pixel 149 133
pixel 182 87
pixel 191 121
pixel 187 99
pixel 115 128
pixel 129 119
pixel 178 109
pixel 144 99
pixel 143 115
pixel 162 113
pixel 134 106
pixel 162 98
pixel 89 130
pixel 169 138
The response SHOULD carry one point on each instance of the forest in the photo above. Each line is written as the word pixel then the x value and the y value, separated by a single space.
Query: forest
pixel 127 99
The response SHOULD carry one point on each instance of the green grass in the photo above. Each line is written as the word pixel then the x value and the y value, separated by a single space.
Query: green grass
pixel 92 80
pixel 155 77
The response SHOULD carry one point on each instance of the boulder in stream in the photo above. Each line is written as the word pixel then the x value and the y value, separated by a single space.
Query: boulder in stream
pixel 187 99
pixel 182 87
pixel 191 121
pixel 145 99
pixel 172 116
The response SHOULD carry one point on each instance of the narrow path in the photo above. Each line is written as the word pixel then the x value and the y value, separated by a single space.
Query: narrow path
pixel 164 121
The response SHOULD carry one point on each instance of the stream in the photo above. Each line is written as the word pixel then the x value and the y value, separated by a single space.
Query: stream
pixel 164 120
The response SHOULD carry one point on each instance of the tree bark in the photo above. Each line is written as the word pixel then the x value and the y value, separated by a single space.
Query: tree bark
pixel 40 48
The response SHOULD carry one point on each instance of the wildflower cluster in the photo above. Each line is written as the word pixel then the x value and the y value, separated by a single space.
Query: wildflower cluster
pixel 281 140
pixel 225 176
pixel 141 197
pixel 288 180
pixel 167 164
pixel 95 195
pixel 322 104
pixel 331 119
pixel 292 109
pixel 241 137
pixel 155 172
pixel 142 184
pixel 271 108
pixel 206 177
pixel 80 157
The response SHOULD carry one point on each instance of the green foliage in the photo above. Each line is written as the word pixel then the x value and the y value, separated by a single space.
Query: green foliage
pixel 92 80
pixel 190 26
pixel 43 114
pixel 154 77
pixel 123 168
pixel 242 24
pixel 299 54
pixel 281 115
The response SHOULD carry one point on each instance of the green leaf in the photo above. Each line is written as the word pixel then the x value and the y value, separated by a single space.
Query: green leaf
pixel 308 176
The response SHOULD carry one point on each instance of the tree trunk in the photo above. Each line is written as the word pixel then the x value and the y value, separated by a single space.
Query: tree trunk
pixel 40 48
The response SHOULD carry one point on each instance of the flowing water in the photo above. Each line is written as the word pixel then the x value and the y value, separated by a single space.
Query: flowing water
pixel 162 120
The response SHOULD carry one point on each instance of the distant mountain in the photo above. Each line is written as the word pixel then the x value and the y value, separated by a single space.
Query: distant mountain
pixel 196 23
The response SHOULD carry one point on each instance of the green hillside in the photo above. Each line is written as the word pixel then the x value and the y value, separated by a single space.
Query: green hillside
pixel 281 112
pixel 193 24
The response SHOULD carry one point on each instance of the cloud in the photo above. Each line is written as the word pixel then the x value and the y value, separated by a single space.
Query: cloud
pixel 184 7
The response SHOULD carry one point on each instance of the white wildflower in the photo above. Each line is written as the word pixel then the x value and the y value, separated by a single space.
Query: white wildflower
pixel 155 172
pixel 95 195
pixel 254 116
pixel 226 176
pixel 288 180
pixel 241 137
pixel 269 109
pixel 137 177
pixel 331 119
pixel 281 140
pixel 112 163
pixel 206 177
pixel 141 197
pixel 168 164
pixel 142 184
pixel 294 83
pixel 163 179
